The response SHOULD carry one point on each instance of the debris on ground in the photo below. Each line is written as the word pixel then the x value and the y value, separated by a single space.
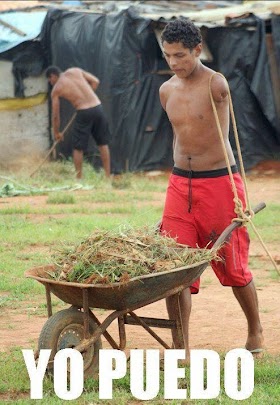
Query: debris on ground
pixel 13 190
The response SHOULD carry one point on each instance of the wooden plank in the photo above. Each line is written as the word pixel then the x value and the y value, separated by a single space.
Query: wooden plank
pixel 12 28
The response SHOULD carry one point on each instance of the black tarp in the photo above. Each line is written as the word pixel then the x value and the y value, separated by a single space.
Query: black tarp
pixel 275 25
pixel 240 54
pixel 122 51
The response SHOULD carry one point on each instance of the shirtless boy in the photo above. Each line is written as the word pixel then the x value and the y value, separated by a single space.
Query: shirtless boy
pixel 199 200
pixel 78 87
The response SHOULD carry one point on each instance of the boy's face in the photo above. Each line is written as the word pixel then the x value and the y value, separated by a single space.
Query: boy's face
pixel 52 79
pixel 182 61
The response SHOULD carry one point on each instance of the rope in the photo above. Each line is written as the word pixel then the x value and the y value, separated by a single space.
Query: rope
pixel 243 216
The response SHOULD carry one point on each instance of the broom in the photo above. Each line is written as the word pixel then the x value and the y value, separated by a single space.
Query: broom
pixel 54 145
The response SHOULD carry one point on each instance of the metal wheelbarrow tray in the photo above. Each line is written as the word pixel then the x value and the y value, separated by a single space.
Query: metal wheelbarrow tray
pixel 79 328
pixel 135 293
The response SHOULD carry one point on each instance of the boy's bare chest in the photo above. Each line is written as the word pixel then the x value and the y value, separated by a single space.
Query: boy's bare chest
pixel 183 107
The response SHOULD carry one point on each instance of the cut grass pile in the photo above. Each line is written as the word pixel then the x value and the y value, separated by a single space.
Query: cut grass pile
pixel 117 256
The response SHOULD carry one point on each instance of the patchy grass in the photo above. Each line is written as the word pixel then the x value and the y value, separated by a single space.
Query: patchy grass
pixel 62 198
pixel 267 223
pixel 31 233
pixel 15 386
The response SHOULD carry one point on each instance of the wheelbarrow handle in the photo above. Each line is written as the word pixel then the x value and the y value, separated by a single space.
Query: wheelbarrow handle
pixel 224 235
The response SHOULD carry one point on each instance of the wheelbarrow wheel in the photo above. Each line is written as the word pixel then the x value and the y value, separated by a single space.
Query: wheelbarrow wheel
pixel 65 329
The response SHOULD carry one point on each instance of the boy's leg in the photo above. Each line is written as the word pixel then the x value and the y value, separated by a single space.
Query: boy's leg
pixel 248 300
pixel 78 156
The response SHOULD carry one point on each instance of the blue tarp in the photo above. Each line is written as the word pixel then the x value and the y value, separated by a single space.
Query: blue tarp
pixel 28 22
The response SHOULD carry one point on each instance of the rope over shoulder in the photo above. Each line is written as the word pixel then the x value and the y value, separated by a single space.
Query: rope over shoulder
pixel 239 210
pixel 244 216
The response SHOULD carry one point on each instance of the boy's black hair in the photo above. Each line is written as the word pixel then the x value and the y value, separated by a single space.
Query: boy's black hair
pixel 53 70
pixel 182 30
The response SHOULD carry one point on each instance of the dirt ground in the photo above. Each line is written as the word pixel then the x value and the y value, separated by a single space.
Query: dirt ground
pixel 217 322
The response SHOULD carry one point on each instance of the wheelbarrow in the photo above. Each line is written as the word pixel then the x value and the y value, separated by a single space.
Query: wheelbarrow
pixel 79 328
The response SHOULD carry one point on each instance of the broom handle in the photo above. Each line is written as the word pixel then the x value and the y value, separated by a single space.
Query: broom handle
pixel 54 144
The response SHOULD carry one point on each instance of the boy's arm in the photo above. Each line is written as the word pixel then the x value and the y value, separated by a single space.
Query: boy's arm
pixel 91 79
pixel 56 115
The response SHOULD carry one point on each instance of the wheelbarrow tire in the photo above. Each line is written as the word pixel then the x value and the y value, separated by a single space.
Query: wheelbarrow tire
pixel 65 329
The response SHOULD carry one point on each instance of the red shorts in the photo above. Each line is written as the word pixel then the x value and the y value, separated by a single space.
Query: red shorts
pixel 198 208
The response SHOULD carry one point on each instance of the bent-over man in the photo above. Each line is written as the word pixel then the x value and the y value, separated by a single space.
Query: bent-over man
pixel 78 87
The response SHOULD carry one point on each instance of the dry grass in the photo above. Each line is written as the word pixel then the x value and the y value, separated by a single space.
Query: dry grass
pixel 117 256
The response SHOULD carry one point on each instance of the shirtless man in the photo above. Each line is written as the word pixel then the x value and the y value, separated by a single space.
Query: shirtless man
pixel 78 87
pixel 199 201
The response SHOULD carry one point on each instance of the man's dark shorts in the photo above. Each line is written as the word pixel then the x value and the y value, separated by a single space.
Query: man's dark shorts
pixel 90 121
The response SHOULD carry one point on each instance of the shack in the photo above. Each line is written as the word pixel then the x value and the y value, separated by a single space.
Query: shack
pixel 119 43
pixel 23 91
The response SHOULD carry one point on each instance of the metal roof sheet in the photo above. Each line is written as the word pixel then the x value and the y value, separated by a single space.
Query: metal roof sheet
pixel 218 16
pixel 17 5
pixel 19 26
pixel 209 13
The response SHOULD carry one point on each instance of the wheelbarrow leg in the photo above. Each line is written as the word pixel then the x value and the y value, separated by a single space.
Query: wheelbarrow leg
pixel 109 338
pixel 86 313
pixel 101 330
pixel 179 326
pixel 141 322
pixel 106 334
pixel 122 333
pixel 48 299
pixel 178 329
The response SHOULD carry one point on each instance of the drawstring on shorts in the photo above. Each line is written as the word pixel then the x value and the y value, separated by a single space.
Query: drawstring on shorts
pixel 191 174
pixel 190 186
